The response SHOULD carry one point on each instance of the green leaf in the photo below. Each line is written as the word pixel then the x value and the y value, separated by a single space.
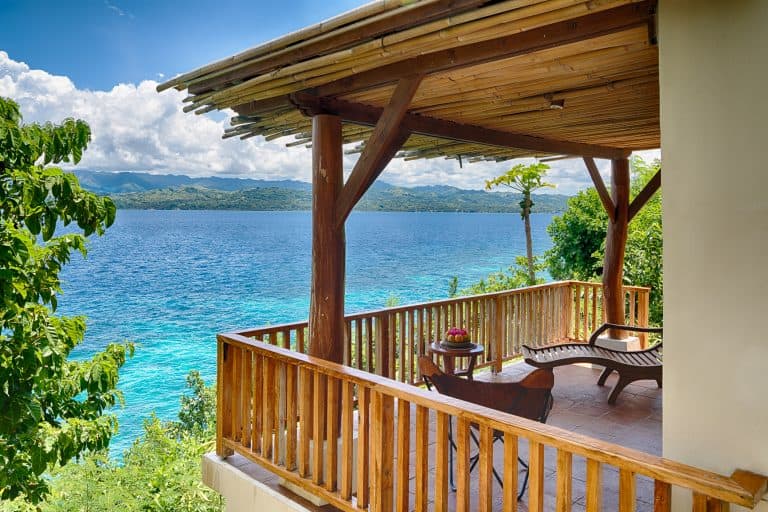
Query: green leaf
pixel 50 224
pixel 33 223
pixel 48 414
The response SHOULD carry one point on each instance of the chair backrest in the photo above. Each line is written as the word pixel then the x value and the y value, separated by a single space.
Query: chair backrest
pixel 630 328
pixel 530 397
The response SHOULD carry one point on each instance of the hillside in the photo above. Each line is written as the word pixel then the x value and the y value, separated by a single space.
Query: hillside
pixel 178 192
pixel 389 198
pixel 107 183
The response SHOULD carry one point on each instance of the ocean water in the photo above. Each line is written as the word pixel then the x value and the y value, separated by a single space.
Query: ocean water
pixel 171 280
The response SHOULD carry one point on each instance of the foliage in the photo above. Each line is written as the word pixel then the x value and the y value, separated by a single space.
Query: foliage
pixel 524 179
pixel 197 415
pixel 643 261
pixel 160 472
pixel 384 198
pixel 453 286
pixel 51 408
pixel 392 301
pixel 515 277
pixel 578 238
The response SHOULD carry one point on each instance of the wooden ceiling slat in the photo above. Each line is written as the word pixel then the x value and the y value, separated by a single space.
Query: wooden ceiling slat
pixel 362 13
pixel 374 56
pixel 491 82
pixel 402 18
pixel 529 41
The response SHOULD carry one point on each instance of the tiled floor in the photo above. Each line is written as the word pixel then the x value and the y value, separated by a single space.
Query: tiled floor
pixel 580 406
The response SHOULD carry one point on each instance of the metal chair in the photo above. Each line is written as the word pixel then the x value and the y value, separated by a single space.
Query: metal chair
pixel 531 398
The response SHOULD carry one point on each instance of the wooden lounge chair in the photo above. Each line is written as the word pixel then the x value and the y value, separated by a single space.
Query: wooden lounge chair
pixel 530 397
pixel 631 366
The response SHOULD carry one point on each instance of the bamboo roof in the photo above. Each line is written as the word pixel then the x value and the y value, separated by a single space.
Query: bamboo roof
pixel 501 79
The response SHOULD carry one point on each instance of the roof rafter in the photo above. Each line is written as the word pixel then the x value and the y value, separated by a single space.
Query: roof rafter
pixel 602 192
pixel 387 138
pixel 367 115
pixel 644 195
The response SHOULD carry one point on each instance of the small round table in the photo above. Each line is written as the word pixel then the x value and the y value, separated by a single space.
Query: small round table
pixel 449 354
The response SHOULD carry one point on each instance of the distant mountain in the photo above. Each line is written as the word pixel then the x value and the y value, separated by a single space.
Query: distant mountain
pixel 178 192
pixel 377 199
pixel 107 183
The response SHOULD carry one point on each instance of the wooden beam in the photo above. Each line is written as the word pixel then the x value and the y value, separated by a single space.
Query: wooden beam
pixel 605 197
pixel 326 306
pixel 387 138
pixel 367 115
pixel 649 189
pixel 365 30
pixel 615 246
pixel 521 43
pixel 756 485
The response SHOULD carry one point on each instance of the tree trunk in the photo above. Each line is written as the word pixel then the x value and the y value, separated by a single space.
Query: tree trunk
pixel 615 245
pixel 528 239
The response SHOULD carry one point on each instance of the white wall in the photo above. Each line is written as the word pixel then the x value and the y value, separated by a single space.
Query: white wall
pixel 241 492
pixel 714 127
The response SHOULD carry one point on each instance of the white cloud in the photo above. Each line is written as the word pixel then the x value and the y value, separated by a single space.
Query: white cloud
pixel 136 129
pixel 117 10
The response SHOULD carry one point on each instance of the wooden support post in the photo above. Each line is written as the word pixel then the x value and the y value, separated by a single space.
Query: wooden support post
pixel 326 309
pixel 615 244
pixel 387 138
pixel 602 192
pixel 650 188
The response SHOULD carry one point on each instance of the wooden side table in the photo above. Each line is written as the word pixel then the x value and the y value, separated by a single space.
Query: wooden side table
pixel 449 354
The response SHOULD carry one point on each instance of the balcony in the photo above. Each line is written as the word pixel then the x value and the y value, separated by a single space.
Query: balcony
pixel 393 436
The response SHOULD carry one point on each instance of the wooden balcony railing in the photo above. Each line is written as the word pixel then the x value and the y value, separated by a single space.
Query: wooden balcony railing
pixel 273 402
pixel 389 341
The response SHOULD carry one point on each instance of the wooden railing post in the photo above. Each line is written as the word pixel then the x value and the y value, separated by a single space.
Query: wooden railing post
pixel 643 315
pixel 383 342
pixel 253 375
pixel 565 305
pixel 223 398
pixel 498 338
pixel 389 342
pixel 382 452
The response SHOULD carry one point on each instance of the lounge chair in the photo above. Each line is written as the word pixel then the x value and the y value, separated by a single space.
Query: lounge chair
pixel 631 366
pixel 530 398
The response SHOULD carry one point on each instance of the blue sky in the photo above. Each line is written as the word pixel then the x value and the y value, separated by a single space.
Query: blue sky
pixel 100 43
pixel 101 60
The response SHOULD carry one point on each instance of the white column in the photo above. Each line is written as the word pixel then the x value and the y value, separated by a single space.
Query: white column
pixel 714 125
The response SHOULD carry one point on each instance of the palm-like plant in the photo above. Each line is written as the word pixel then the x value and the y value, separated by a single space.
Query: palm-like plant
pixel 524 179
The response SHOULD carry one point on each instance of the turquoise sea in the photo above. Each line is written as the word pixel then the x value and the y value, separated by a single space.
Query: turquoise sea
pixel 170 280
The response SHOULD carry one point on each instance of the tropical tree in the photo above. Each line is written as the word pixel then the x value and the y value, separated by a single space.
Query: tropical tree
pixel 159 472
pixel 52 408
pixel 578 239
pixel 524 179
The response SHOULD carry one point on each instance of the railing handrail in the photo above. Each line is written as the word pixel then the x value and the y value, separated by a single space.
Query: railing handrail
pixel 439 302
pixel 705 482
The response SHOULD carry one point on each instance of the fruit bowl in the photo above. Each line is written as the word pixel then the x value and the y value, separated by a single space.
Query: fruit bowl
pixel 457 336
